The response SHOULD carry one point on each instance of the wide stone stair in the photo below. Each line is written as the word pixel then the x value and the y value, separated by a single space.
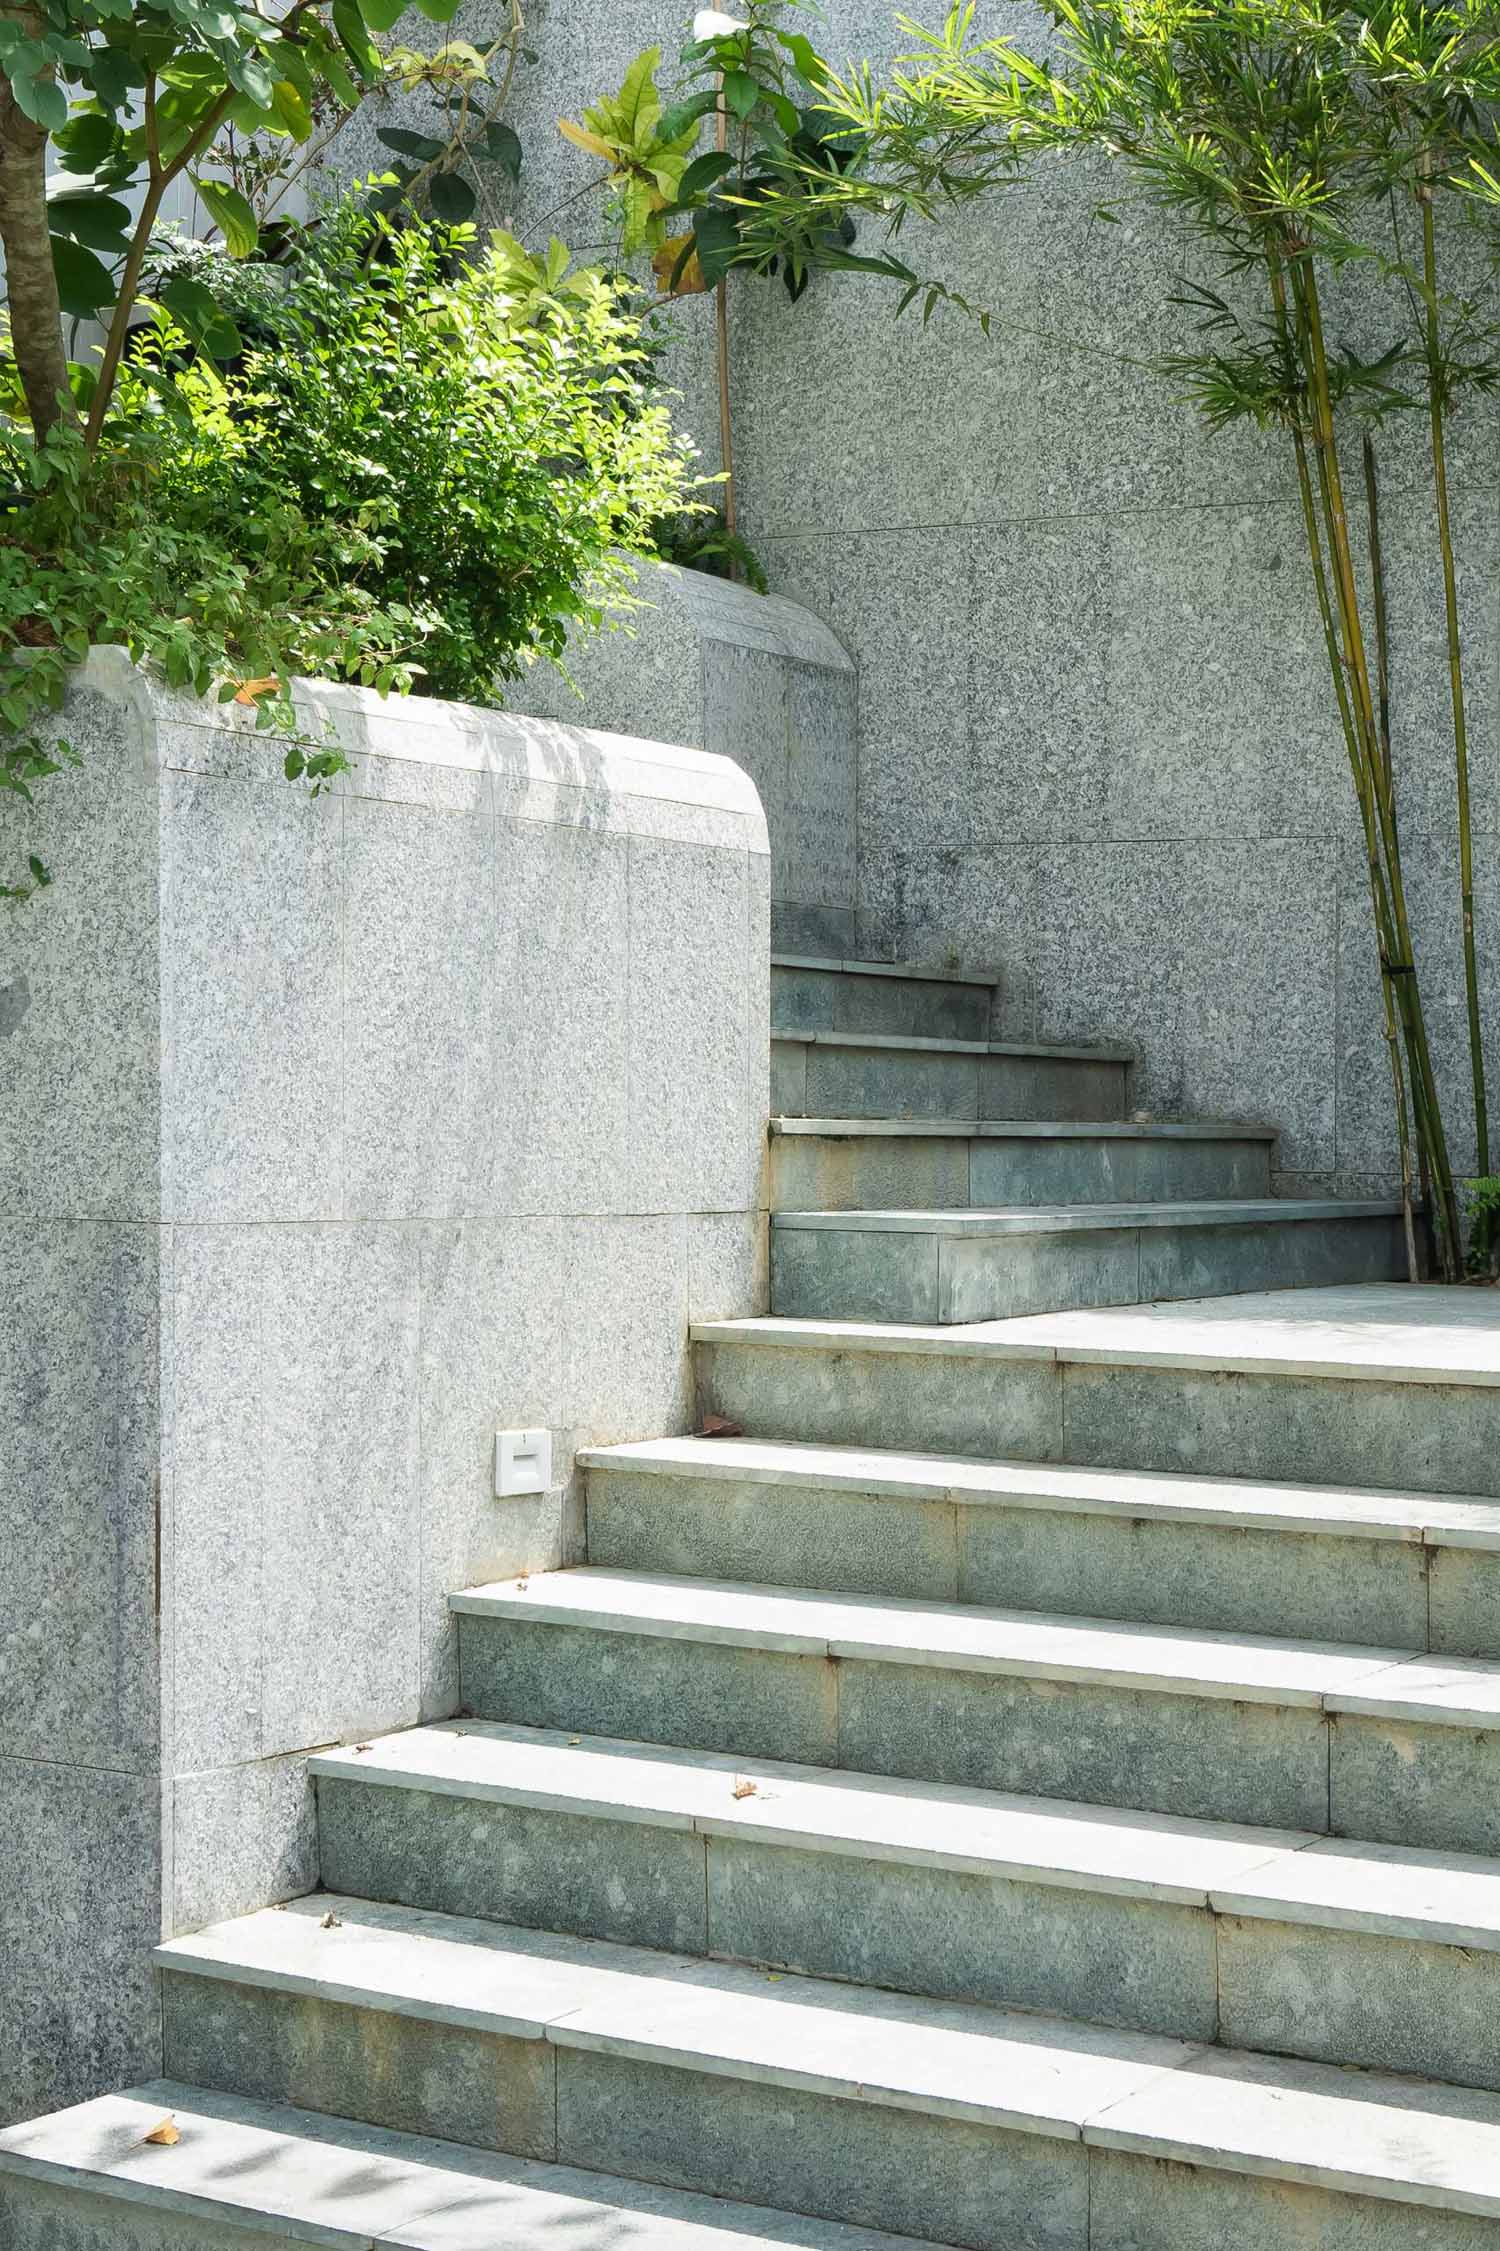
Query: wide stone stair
pixel 1026 1785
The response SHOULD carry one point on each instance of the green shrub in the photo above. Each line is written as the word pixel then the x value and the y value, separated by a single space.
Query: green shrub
pixel 420 481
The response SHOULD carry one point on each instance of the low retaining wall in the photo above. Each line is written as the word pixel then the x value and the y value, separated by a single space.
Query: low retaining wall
pixel 755 678
pixel 336 1135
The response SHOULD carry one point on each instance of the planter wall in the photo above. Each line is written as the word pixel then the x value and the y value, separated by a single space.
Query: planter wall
pixel 336 1135
pixel 757 679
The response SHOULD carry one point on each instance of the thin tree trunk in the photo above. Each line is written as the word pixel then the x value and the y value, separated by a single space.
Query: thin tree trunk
pixel 30 278
pixel 1455 674
pixel 721 334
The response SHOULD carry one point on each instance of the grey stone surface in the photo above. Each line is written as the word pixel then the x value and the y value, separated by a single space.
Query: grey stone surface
pixel 37 2217
pixel 1464 1602
pixel 550 1871
pixel 651 1690
pixel 1072 1171
pixel 82 1912
pixel 1235 1580
pixel 1433 1786
pixel 809 999
pixel 756 679
pixel 1104 1745
pixel 1141 2204
pixel 885 1082
pixel 1352 1997
pixel 851 1173
pixel 79 1400
pixel 324 1170
pixel 413 2074
pixel 939 2179
pixel 773 1535
pixel 1002 1409
pixel 974 1938
pixel 1435 1438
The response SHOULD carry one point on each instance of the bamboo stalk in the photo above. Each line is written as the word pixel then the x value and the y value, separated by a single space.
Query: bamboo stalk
pixel 1383 683
pixel 1355 660
pixel 1435 389
pixel 721 331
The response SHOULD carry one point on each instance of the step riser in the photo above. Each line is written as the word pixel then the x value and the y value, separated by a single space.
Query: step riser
pixel 1343 1997
pixel 943 2179
pixel 923 1173
pixel 1137 2205
pixel 1278 1766
pixel 853 1082
pixel 1415 1438
pixel 1380 1593
pixel 827 1274
pixel 829 1000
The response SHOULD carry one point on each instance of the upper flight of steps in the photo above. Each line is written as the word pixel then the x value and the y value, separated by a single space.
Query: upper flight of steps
pixel 1035 1788
pixel 924 1171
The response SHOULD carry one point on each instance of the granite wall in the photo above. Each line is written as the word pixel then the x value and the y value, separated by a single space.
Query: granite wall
pixel 751 677
pixel 1096 742
pixel 336 1134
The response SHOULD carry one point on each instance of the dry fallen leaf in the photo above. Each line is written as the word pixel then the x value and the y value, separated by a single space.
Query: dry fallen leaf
pixel 251 691
pixel 745 1789
pixel 719 1426
pixel 330 1922
pixel 522 1583
pixel 165 2136
pixel 360 1747
pixel 572 1739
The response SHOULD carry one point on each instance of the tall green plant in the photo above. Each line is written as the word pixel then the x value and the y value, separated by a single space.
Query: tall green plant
pixel 1293 141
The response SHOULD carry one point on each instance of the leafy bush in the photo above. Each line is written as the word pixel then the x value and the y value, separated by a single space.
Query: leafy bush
pixel 420 481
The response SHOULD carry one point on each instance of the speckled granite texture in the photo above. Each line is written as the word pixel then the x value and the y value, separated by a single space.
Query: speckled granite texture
pixel 336 1134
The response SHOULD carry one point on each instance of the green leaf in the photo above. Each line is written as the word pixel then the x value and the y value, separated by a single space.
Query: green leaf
pixel 701 175
pixel 40 99
pixel 85 284
pixel 717 236
pixel 198 311
pixel 452 199
pixel 292 109
pixel 103 222
pixel 806 60
pixel 86 141
pixel 439 11
pixel 355 38
pixel 232 215
pixel 741 92
pixel 382 15
pixel 502 145
pixel 420 145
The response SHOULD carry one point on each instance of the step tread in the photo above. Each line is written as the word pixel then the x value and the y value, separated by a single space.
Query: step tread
pixel 1167 1496
pixel 326 2181
pixel 1093 1219
pixel 911 971
pixel 1024 1644
pixel 1268 1874
pixel 1377 1332
pixel 1409 2140
pixel 914 1043
pixel 952 2059
pixel 1022 1129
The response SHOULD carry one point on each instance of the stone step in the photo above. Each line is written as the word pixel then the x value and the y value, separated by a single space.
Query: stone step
pixel 953 1267
pixel 962 2124
pixel 809 994
pixel 936 1164
pixel 1399 1747
pixel 86 2179
pixel 1419 1570
pixel 879 1075
pixel 1375 1386
pixel 1349 1952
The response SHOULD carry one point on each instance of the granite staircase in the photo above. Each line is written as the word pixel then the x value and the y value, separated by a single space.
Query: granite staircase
pixel 1034 1785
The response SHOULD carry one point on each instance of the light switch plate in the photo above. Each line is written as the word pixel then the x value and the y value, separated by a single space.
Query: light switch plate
pixel 523 1462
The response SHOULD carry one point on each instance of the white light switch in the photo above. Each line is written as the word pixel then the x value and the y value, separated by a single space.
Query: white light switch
pixel 523 1462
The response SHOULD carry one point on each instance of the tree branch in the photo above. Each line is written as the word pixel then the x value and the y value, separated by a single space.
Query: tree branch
pixel 30 278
